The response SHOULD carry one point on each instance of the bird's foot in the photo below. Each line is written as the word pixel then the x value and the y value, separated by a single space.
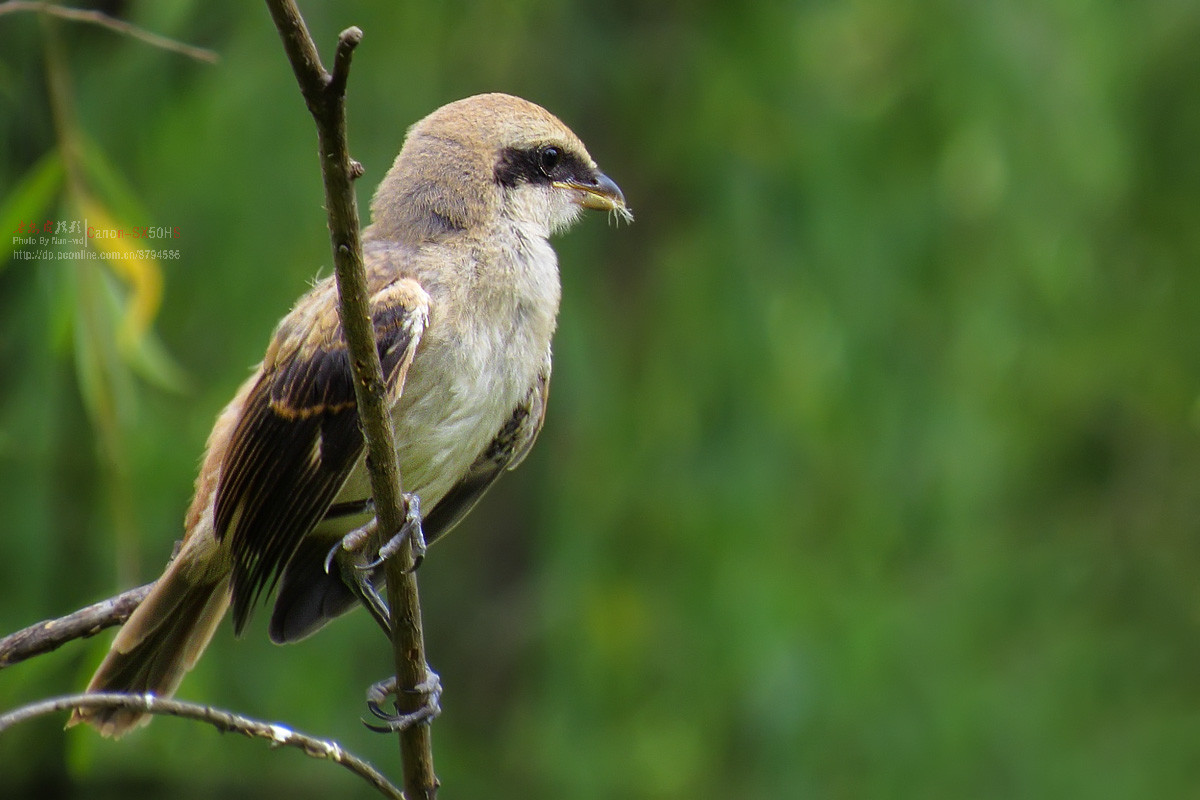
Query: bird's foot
pixel 430 690
pixel 357 566
pixel 411 531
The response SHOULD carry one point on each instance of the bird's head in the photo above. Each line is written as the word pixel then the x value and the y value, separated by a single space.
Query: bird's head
pixel 481 161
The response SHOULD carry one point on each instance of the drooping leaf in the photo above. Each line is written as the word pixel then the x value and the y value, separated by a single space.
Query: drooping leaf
pixel 104 378
pixel 116 207
pixel 129 261
pixel 28 200
pixel 149 358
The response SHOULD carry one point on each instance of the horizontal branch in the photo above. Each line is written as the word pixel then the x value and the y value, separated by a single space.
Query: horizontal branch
pixel 224 721
pixel 50 634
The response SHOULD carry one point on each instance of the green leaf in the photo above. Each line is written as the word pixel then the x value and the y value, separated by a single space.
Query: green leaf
pixel 148 357
pixel 145 353
pixel 29 199
pixel 104 377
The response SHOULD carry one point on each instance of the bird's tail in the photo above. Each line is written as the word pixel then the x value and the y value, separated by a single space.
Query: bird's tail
pixel 157 646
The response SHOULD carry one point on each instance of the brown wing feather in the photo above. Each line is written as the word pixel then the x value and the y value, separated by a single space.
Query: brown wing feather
pixel 298 437
pixel 510 446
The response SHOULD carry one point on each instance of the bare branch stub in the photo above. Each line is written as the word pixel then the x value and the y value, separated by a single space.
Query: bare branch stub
pixel 347 41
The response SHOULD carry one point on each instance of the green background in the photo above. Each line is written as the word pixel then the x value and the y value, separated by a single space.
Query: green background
pixel 873 451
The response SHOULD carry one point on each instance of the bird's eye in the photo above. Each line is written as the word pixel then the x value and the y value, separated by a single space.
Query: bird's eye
pixel 548 159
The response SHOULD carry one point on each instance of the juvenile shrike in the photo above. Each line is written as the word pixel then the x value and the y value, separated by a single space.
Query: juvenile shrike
pixel 464 296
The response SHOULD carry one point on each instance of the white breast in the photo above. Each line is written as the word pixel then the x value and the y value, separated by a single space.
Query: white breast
pixel 475 363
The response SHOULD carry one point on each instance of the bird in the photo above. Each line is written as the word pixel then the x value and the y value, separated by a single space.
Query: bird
pixel 464 296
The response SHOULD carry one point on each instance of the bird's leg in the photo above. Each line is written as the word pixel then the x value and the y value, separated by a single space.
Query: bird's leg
pixel 350 555
pixel 429 689
pixel 357 566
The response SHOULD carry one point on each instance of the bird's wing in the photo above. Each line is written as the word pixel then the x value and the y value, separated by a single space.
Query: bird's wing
pixel 298 437
pixel 509 447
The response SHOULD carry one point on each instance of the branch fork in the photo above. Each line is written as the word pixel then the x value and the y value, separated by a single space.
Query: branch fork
pixel 415 687
pixel 324 93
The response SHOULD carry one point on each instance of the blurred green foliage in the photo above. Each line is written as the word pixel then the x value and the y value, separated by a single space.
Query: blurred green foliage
pixel 872 463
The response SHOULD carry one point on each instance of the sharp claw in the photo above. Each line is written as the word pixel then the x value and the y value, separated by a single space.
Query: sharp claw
pixel 378 712
pixel 370 565
pixel 330 556
pixel 404 721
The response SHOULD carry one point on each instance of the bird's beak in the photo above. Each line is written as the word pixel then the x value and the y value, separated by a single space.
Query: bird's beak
pixel 601 193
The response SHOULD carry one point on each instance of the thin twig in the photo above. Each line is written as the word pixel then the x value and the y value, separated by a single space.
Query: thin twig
pixel 113 24
pixel 224 721
pixel 50 634
pixel 324 93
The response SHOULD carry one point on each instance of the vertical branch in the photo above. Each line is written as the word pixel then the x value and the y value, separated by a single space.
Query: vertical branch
pixel 324 93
